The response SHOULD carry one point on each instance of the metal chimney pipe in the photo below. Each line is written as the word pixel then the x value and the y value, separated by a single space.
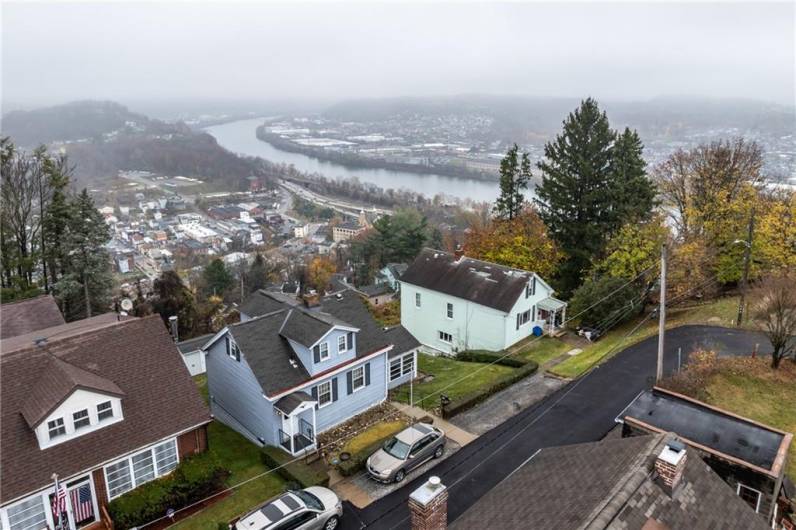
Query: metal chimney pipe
pixel 175 333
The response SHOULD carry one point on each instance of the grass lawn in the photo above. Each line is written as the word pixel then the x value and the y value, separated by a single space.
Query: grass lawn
pixel 543 350
pixel 242 458
pixel 380 431
pixel 721 312
pixel 446 372
pixel 750 388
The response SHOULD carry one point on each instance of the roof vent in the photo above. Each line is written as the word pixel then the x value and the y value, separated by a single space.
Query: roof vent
pixel 338 296
pixel 41 341
pixel 293 363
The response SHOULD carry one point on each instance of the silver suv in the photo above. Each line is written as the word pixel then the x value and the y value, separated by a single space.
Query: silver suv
pixel 406 451
pixel 313 508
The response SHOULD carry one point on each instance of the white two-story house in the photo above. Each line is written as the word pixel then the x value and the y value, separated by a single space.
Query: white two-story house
pixel 454 303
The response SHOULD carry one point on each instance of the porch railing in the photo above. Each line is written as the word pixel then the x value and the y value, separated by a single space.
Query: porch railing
pixel 306 429
pixel 284 440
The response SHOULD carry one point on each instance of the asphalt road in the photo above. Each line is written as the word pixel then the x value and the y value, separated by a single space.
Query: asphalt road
pixel 582 411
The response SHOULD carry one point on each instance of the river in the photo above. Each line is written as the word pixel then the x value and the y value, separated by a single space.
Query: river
pixel 239 137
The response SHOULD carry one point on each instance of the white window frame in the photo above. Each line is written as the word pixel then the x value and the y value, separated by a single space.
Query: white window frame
pixel 134 482
pixel 75 420
pixel 328 386
pixel 361 371
pixel 234 351
pixel 411 358
pixel 344 347
pixel 449 310
pixel 418 300
pixel 393 362
pixel 60 428
pixel 321 346
pixel 100 419
pixel 45 511
pixel 759 495
pixel 441 334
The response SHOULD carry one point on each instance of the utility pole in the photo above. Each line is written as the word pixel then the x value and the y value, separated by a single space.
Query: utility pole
pixel 661 316
pixel 747 257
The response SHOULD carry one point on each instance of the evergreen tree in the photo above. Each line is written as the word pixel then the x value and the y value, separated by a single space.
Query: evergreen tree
pixel 515 173
pixel 56 219
pixel 575 198
pixel 217 278
pixel 85 287
pixel 172 297
pixel 634 192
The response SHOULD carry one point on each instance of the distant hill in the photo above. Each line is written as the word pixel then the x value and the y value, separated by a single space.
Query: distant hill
pixel 70 122
pixel 517 117
pixel 102 137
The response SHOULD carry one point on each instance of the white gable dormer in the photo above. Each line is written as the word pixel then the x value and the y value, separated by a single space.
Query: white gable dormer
pixel 82 412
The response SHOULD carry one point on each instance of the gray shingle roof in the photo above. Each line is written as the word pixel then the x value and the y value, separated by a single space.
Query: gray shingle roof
pixel 577 485
pixel 292 401
pixel 256 305
pixel 196 343
pixel 484 283
pixel 26 316
pixel 307 327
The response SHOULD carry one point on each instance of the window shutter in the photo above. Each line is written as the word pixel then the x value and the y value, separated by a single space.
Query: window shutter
pixel 367 374
pixel 334 389
pixel 533 313
pixel 349 382
pixel 314 392
pixel 228 346
pixel 350 340
pixel 316 353
pixel 518 320
pixel 533 286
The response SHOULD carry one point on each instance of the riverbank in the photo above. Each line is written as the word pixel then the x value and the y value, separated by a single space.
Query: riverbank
pixel 358 162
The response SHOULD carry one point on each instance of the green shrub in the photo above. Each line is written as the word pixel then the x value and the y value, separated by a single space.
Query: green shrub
pixel 195 478
pixel 297 474
pixel 470 400
pixel 484 356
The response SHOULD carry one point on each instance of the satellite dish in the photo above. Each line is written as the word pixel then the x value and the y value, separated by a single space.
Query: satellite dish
pixel 127 304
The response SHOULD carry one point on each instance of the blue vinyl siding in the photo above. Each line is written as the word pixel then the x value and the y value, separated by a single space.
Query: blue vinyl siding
pixel 335 358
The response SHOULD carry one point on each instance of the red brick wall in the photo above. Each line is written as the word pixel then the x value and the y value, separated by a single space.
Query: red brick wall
pixel 192 442
pixel 99 486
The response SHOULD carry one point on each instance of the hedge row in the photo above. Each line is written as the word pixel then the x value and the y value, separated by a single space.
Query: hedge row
pixel 484 356
pixel 468 401
pixel 357 462
pixel 297 474
pixel 195 478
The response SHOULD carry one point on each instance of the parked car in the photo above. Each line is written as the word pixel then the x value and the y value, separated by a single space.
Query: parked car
pixel 314 508
pixel 406 451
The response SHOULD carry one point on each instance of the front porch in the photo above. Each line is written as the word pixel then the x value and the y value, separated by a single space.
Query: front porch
pixel 297 432
pixel 554 312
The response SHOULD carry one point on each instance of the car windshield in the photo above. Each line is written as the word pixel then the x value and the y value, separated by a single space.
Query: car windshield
pixel 312 502
pixel 397 448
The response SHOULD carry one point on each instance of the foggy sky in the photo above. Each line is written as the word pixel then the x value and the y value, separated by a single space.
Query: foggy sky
pixel 56 52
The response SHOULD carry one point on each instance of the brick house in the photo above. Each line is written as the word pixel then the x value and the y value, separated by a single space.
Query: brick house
pixel 106 404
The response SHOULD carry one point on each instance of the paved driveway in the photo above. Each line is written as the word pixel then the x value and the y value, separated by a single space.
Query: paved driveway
pixel 582 411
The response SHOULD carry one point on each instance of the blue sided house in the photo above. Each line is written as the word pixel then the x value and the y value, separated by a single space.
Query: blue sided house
pixel 287 372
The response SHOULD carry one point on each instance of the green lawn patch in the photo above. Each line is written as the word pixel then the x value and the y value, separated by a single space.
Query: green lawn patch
pixel 447 371
pixel 543 350
pixel 244 461
pixel 376 434
pixel 721 312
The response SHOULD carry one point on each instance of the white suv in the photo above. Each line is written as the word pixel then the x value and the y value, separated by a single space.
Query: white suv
pixel 313 508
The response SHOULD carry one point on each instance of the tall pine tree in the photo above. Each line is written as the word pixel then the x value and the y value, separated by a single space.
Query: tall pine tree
pixel 574 198
pixel 634 192
pixel 515 173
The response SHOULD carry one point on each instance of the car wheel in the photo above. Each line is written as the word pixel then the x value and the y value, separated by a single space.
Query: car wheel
pixel 439 451
pixel 400 475
pixel 332 523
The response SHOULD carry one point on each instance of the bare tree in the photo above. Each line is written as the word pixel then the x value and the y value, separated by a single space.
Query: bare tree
pixel 775 310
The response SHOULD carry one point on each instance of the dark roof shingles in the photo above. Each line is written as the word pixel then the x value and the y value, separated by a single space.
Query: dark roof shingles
pixel 27 316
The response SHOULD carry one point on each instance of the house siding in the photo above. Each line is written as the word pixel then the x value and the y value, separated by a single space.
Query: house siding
pixel 335 357
pixel 236 397
pixel 473 326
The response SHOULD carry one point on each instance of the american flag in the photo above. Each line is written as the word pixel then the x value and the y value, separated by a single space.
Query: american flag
pixel 59 506
pixel 82 506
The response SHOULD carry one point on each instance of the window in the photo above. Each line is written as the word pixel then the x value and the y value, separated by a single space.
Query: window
pixel 81 419
pixel 417 299
pixel 751 496
pixel 402 366
pixel 324 350
pixel 118 478
pixel 357 378
pixel 143 467
pixel 523 318
pixel 232 349
pixel 297 521
pixel 166 456
pixel 408 364
pixel 324 394
pixel 27 515
pixel 341 344
pixel 56 428
pixel 124 475
pixel 395 369
pixel 449 310
pixel 104 410
pixel 445 337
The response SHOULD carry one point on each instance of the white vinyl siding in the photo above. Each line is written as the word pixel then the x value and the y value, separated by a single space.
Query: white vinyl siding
pixel 131 472
pixel 28 514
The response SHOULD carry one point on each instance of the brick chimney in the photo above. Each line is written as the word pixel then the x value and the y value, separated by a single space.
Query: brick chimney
pixel 429 506
pixel 458 253
pixel 670 464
